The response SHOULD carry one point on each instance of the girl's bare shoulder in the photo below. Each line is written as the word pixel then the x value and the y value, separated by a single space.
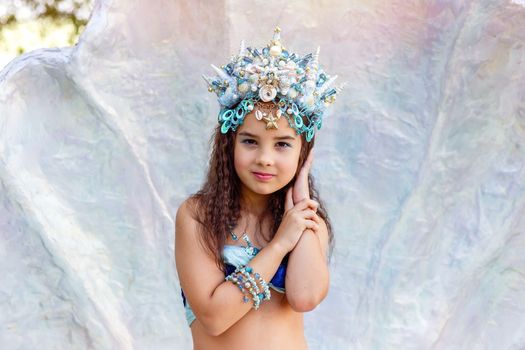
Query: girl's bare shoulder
pixel 186 223
pixel 189 209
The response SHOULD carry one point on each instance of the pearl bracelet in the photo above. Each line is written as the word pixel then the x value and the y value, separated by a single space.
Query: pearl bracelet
pixel 243 278
pixel 264 286
pixel 251 284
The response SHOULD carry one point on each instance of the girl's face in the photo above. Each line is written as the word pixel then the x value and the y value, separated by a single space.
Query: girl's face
pixel 266 160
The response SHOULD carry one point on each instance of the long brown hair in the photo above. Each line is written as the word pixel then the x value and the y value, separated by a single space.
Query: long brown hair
pixel 216 206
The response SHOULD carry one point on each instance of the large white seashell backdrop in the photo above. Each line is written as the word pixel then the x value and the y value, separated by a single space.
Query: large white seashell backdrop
pixel 421 164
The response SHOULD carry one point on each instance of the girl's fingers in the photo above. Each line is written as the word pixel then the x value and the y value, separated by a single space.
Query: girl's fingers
pixel 312 225
pixel 311 215
pixel 308 163
pixel 307 203
pixel 288 202
pixel 316 218
pixel 310 158
pixel 302 178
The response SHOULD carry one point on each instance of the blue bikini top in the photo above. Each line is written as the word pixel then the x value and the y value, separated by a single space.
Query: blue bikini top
pixel 235 256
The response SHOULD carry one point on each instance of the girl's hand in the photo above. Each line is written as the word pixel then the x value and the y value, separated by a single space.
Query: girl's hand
pixel 300 189
pixel 296 219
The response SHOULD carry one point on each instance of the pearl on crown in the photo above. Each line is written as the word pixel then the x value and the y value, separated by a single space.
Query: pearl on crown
pixel 276 50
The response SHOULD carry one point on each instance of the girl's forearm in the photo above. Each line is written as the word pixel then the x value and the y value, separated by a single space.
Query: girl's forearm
pixel 225 306
pixel 307 274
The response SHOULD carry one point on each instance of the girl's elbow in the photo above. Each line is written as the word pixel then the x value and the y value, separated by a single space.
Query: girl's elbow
pixel 305 302
pixel 214 331
pixel 303 305
pixel 308 300
pixel 213 326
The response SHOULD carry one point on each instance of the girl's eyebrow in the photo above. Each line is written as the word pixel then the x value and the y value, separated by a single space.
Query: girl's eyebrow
pixel 287 137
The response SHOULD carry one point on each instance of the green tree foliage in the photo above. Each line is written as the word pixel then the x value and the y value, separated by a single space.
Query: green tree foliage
pixel 76 11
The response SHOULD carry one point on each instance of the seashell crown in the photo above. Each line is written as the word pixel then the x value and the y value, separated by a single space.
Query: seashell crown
pixel 298 87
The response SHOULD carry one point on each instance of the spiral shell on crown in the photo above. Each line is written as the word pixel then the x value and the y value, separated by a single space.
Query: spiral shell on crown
pixel 267 93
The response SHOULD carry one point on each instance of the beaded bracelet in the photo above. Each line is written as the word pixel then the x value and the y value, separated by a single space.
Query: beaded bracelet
pixel 262 296
pixel 238 281
pixel 242 277
pixel 264 286
pixel 246 271
pixel 250 286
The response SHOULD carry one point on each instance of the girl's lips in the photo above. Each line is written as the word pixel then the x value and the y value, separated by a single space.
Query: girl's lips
pixel 262 176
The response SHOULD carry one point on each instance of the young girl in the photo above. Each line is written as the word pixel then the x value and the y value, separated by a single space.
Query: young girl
pixel 252 245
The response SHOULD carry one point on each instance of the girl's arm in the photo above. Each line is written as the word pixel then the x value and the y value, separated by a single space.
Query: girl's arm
pixel 216 303
pixel 307 274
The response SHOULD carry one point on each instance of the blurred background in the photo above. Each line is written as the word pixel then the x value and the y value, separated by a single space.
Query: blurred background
pixel 27 25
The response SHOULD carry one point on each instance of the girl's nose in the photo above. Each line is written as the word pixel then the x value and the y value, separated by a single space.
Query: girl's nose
pixel 264 158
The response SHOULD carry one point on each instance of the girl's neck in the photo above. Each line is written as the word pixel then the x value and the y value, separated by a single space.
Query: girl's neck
pixel 254 204
pixel 254 216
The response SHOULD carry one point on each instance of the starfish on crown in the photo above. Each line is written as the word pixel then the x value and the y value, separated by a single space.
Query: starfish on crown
pixel 265 112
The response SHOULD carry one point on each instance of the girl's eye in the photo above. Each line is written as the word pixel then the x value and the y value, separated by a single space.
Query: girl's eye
pixel 253 142
pixel 284 144
pixel 248 141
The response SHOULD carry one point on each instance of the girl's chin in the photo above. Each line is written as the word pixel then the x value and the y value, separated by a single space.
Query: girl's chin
pixel 264 191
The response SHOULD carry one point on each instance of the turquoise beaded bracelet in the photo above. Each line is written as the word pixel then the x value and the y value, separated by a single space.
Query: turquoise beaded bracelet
pixel 238 281
pixel 242 277
pixel 251 284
